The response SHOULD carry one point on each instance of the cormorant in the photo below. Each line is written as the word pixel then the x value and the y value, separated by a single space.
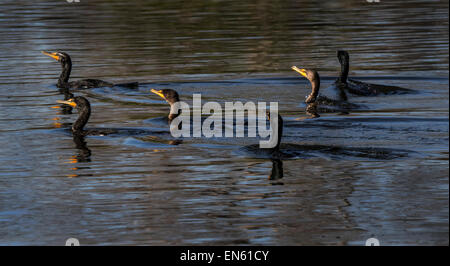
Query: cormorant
pixel 272 153
pixel 362 88
pixel 84 112
pixel 336 99
pixel 293 151
pixel 63 81
pixel 171 97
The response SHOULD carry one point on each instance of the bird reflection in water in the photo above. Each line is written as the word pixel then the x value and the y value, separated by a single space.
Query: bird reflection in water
pixel 277 170
pixel 83 155
pixel 64 109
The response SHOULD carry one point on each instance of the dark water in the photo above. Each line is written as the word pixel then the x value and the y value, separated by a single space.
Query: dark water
pixel 141 190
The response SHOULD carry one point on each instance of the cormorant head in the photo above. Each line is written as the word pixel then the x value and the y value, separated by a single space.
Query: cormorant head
pixel 343 56
pixel 66 65
pixel 78 102
pixel 313 77
pixel 84 109
pixel 310 74
pixel 169 95
pixel 58 56
pixel 344 60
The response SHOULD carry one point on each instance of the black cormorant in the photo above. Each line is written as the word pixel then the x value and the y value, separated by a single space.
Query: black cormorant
pixel 63 81
pixel 335 99
pixel 84 112
pixel 362 88
pixel 295 151
pixel 171 97
pixel 272 153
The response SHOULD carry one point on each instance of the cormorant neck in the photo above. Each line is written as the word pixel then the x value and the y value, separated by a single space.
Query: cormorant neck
pixel 344 69
pixel 83 117
pixel 315 85
pixel 65 74
pixel 280 131
pixel 172 117
pixel 174 113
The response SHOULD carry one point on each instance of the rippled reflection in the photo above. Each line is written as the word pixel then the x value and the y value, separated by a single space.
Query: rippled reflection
pixel 84 153
pixel 277 170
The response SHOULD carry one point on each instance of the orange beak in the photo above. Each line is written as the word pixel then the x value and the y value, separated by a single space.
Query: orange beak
pixel 68 102
pixel 159 93
pixel 302 71
pixel 52 55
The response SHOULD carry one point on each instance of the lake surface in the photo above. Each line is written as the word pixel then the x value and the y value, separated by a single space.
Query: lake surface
pixel 141 190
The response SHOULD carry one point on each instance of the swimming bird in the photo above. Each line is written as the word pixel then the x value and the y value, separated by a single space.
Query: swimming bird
pixel 335 99
pixel 273 153
pixel 295 151
pixel 361 88
pixel 63 81
pixel 84 112
pixel 171 97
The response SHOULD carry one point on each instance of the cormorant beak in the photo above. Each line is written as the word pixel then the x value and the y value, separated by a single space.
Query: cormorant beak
pixel 52 55
pixel 159 93
pixel 68 102
pixel 302 71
